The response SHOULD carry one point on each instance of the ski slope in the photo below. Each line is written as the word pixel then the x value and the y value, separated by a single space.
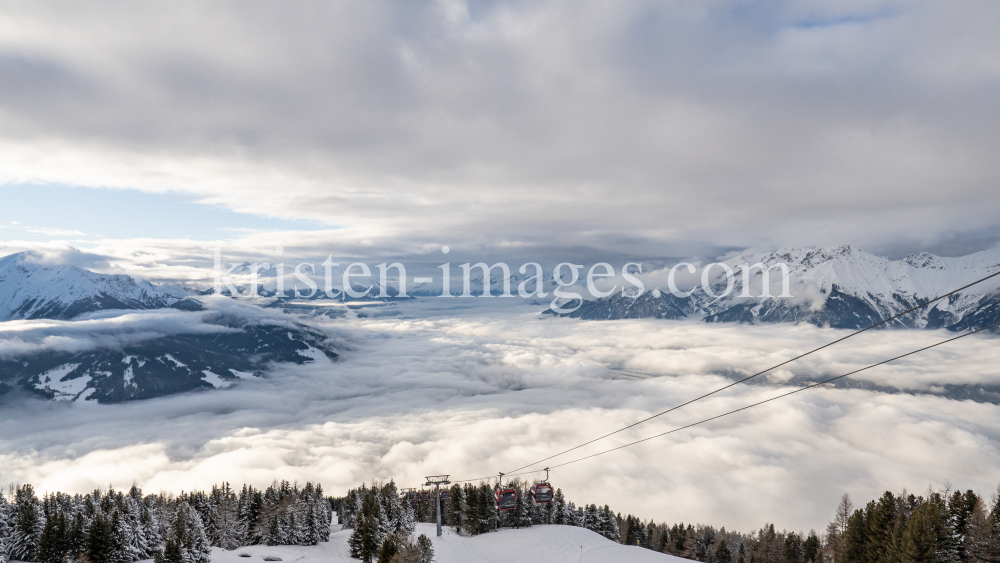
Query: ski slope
pixel 538 544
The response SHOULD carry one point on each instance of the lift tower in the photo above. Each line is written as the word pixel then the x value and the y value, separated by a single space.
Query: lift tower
pixel 437 481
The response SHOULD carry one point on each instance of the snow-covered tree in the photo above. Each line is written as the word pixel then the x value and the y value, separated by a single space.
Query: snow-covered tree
pixel 25 523
pixel 608 524
pixel 249 506
pixel 227 532
pixel 454 509
pixel 4 529
pixel 188 534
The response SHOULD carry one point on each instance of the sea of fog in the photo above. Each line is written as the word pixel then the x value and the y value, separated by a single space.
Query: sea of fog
pixel 471 387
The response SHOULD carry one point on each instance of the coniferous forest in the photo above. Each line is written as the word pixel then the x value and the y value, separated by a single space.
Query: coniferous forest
pixel 111 526
pixel 122 527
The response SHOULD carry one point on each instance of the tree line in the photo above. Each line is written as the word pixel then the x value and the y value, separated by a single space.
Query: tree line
pixel 121 527
pixel 383 518
pixel 942 526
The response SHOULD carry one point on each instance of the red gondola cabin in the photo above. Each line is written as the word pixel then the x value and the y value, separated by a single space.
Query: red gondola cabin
pixel 507 499
pixel 542 493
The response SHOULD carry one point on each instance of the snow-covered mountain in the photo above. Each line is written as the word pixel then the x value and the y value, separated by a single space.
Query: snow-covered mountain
pixel 32 289
pixel 163 366
pixel 222 347
pixel 841 287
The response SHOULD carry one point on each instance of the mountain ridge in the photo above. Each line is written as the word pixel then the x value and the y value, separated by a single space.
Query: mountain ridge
pixel 841 287
pixel 30 288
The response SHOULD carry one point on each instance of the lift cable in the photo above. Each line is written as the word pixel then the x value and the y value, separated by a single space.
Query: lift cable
pixel 811 386
pixel 805 388
pixel 745 379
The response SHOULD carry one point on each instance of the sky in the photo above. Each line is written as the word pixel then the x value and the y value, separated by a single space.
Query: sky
pixel 655 129
pixel 138 137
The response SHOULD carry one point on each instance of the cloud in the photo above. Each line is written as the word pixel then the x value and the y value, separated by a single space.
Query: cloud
pixel 427 388
pixel 117 329
pixel 53 232
pixel 626 126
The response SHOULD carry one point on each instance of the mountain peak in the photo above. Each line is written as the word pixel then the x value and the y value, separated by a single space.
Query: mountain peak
pixel 34 288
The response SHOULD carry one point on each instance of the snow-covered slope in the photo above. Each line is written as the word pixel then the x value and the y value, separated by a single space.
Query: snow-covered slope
pixel 841 287
pixel 32 289
pixel 165 365
pixel 538 544
pixel 136 358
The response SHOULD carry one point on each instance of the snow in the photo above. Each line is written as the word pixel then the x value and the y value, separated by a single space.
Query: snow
pixel 541 544
pixel 215 379
pixel 315 354
pixel 128 360
pixel 859 273
pixel 29 286
pixel 64 390
pixel 172 359
pixel 537 544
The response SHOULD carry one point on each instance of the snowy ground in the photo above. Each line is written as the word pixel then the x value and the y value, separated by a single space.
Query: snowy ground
pixel 541 544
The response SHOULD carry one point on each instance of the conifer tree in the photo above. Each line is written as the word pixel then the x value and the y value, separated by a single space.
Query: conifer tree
pixel 50 544
pixel 388 550
pixel 680 540
pixel 171 553
pixel 4 530
pixel 608 524
pixel 979 546
pixel 471 523
pixel 590 520
pixel 520 517
pixel 855 541
pixel 189 534
pixel 925 535
pixel 99 540
pixel 324 513
pixel 76 543
pixel 455 510
pixel 791 549
pixel 486 509
pixel 630 529
pixel 722 553
pixel 558 508
pixel 251 501
pixel 994 517
pixel 226 518
pixel 25 524
pixel 811 548
pixel 880 520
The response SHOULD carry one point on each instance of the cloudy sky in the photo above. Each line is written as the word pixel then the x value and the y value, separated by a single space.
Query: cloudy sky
pixel 645 128
pixel 136 137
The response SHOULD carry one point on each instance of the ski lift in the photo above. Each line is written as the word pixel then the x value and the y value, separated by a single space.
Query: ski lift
pixel 507 499
pixel 445 495
pixel 425 496
pixel 542 492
